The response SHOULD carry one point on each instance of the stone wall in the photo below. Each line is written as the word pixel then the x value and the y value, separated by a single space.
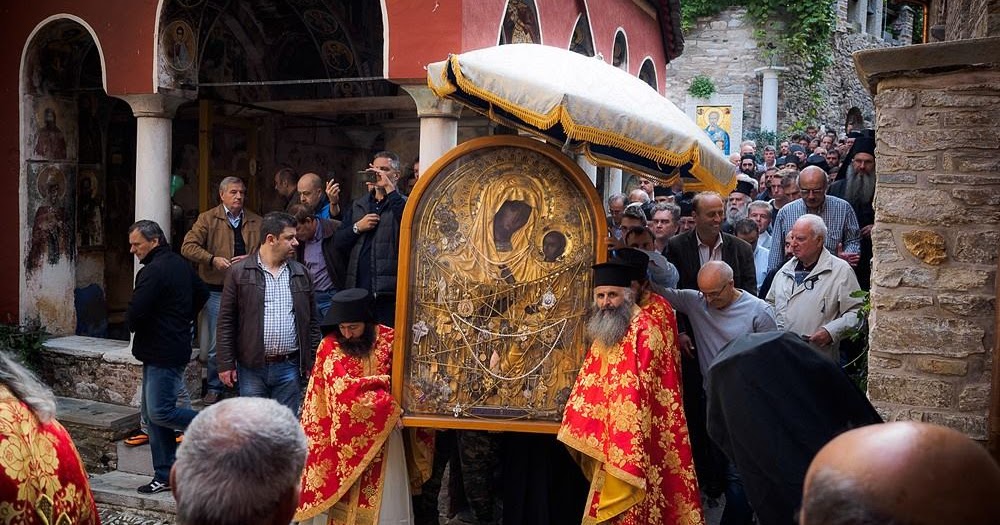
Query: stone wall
pixel 937 233
pixel 972 19
pixel 723 48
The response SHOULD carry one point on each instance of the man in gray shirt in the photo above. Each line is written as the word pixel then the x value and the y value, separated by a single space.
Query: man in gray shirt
pixel 719 312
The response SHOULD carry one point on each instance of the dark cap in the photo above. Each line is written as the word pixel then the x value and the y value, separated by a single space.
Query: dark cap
pixel 819 161
pixel 863 145
pixel 614 273
pixel 745 187
pixel 635 259
pixel 353 305
pixel 796 147
pixel 750 156
pixel 661 191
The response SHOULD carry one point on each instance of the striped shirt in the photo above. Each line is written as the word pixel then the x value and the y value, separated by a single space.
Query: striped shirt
pixel 836 213
pixel 280 336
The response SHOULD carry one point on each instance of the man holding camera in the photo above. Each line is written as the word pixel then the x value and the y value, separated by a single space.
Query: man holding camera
pixel 370 233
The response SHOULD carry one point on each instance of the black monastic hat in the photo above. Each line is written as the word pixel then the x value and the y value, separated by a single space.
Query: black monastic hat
pixel 613 273
pixel 353 305
pixel 634 258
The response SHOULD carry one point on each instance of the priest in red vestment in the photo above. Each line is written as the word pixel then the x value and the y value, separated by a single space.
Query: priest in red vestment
pixel 355 470
pixel 625 418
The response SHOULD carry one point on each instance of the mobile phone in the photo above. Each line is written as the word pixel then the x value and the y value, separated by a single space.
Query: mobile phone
pixel 371 177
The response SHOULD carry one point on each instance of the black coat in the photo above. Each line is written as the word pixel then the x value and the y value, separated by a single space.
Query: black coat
pixel 167 298
pixel 737 253
pixel 773 402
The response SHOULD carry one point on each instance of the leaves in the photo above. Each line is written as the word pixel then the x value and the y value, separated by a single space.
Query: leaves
pixel 701 87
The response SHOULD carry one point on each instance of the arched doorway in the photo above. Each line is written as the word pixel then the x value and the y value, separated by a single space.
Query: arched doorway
pixel 77 154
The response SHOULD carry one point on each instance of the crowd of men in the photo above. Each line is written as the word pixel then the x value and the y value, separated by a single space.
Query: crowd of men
pixel 307 293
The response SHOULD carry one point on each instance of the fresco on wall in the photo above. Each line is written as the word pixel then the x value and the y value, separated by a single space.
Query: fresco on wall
pixel 582 41
pixel 90 209
pixel 54 57
pixel 50 196
pixel 51 133
pixel 520 23
pixel 647 73
pixel 619 54
pixel 178 55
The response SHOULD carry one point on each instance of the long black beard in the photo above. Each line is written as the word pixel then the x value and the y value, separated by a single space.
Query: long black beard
pixel 609 326
pixel 859 190
pixel 359 346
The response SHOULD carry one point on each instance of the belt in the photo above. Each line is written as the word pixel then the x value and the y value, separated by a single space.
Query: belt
pixel 280 358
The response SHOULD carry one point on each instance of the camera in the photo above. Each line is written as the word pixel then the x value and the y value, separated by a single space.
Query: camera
pixel 369 176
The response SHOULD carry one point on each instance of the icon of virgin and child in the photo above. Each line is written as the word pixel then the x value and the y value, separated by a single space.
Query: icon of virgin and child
pixel 509 298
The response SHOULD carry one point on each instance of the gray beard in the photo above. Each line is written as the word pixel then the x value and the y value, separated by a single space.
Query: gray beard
pixel 734 216
pixel 859 190
pixel 608 327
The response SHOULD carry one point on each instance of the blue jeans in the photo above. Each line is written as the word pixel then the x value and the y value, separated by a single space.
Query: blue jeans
pixel 160 385
pixel 211 319
pixel 737 511
pixel 278 381
pixel 183 401
pixel 323 302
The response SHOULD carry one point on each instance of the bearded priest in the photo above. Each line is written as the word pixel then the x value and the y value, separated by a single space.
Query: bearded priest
pixel 624 419
pixel 356 469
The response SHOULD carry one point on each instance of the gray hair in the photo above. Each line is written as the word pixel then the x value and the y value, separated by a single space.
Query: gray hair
pixel 230 180
pixel 238 459
pixel 393 159
pixel 759 204
pixel 644 197
pixel 617 197
pixel 815 223
pixel 149 230
pixel 789 178
pixel 27 388
pixel 675 210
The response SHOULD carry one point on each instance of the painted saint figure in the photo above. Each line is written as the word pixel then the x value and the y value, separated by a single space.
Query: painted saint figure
pixel 716 132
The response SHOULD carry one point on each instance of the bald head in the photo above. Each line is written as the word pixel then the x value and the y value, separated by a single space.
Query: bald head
pixel 715 282
pixel 902 472
pixel 310 188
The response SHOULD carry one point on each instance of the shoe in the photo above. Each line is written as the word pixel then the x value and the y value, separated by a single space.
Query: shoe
pixel 137 439
pixel 211 398
pixel 153 487
pixel 178 437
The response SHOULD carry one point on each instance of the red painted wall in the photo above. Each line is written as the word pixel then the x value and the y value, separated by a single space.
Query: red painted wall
pixel 642 32
pixel 124 30
pixel 420 33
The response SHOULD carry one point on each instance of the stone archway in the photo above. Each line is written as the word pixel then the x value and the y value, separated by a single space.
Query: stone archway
pixel 64 120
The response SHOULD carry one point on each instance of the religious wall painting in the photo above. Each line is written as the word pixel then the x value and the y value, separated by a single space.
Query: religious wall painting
pixel 520 23
pixel 51 190
pixel 647 73
pixel 496 286
pixel 583 40
pixel 178 55
pixel 717 121
pixel 52 131
pixel 90 208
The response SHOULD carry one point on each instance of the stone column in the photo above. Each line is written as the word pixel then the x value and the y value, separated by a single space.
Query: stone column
pixel 438 123
pixel 588 168
pixel 769 97
pixel 614 181
pixel 937 233
pixel 905 22
pixel 154 124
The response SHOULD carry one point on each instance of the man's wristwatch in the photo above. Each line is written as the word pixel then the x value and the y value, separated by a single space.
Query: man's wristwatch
pixel 355 229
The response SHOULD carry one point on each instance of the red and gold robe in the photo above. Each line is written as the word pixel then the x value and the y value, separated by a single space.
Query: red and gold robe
pixel 662 313
pixel 347 415
pixel 42 480
pixel 626 417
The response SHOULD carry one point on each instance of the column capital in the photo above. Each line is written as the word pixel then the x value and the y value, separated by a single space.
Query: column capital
pixel 430 105
pixel 770 70
pixel 153 104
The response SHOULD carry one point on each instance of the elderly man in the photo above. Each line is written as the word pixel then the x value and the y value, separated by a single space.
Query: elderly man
pixel 719 313
pixel 316 251
pixel 219 238
pixel 616 206
pixel 844 237
pixel 623 416
pixel 736 205
pixel 322 199
pixel 370 232
pixel 166 300
pixel 858 189
pixel 902 472
pixel 355 465
pixel 268 325
pixel 811 293
pixel 746 230
pixel 240 464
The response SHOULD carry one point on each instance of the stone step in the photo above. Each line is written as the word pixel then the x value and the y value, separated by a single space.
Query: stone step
pixel 101 370
pixel 95 428
pixel 118 489
pixel 135 460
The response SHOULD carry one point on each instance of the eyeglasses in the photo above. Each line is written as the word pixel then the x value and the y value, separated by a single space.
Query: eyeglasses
pixel 818 191
pixel 716 294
